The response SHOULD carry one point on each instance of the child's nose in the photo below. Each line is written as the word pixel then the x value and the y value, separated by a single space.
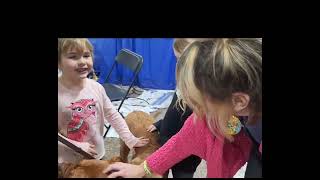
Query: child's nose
pixel 82 61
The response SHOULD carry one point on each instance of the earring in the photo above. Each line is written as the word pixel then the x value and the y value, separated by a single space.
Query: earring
pixel 59 72
pixel 234 125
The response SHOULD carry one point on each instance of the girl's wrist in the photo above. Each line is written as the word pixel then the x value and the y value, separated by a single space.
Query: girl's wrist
pixel 142 171
pixel 146 169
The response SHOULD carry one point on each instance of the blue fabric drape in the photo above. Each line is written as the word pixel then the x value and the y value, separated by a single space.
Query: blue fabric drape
pixel 158 70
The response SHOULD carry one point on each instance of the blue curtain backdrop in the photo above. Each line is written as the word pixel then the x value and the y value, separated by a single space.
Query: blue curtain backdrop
pixel 159 62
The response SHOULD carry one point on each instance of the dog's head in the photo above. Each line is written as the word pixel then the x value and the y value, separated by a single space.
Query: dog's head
pixel 86 168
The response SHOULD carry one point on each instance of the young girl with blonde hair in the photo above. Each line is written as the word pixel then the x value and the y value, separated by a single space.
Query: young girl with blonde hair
pixel 83 105
pixel 221 81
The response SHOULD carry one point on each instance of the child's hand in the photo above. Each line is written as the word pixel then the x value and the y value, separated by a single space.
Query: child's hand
pixel 151 128
pixel 142 142
pixel 89 148
pixel 124 170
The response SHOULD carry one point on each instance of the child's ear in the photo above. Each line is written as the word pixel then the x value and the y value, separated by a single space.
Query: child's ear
pixel 240 101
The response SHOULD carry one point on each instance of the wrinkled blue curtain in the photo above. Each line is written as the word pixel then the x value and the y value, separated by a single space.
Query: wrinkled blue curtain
pixel 159 62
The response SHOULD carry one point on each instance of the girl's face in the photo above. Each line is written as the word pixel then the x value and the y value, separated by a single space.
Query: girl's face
pixel 76 65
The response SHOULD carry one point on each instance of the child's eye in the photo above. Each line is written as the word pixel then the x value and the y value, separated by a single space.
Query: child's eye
pixel 87 55
pixel 72 57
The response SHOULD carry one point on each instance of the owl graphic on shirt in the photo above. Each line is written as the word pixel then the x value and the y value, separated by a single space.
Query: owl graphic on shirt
pixel 83 119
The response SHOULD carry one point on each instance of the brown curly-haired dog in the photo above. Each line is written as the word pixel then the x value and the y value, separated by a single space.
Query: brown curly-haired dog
pixel 87 168
pixel 138 122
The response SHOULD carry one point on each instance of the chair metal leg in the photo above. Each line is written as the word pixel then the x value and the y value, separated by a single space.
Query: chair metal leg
pixel 121 115
pixel 134 62
pixel 108 128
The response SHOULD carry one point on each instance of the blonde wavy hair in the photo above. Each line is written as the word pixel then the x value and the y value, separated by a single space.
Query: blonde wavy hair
pixel 79 44
pixel 180 44
pixel 214 69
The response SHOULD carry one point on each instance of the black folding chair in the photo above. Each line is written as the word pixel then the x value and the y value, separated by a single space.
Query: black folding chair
pixel 134 63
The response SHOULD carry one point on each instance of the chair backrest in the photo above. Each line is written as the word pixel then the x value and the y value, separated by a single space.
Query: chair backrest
pixel 129 59
pixel 132 61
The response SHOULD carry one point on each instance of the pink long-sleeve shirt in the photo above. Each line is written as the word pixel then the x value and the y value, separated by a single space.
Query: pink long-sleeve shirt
pixel 81 118
pixel 223 158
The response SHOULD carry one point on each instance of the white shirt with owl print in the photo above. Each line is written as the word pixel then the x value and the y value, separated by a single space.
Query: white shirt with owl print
pixel 81 118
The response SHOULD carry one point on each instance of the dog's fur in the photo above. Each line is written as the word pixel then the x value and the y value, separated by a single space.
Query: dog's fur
pixel 138 122
pixel 86 168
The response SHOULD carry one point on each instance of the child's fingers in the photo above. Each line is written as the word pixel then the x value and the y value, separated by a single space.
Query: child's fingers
pixel 116 174
pixel 144 140
pixel 92 152
pixel 113 167
pixel 153 129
